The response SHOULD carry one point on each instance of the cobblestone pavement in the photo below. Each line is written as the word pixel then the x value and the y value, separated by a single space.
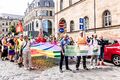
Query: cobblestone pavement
pixel 10 71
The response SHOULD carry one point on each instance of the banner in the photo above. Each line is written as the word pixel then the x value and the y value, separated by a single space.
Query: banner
pixel 19 27
pixel 83 50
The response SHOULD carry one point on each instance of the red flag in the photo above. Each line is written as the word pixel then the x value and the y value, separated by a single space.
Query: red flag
pixel 19 27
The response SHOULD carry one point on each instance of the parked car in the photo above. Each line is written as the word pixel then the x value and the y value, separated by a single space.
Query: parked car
pixel 112 52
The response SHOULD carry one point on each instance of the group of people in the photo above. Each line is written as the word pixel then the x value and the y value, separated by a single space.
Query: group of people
pixel 16 49
pixel 93 42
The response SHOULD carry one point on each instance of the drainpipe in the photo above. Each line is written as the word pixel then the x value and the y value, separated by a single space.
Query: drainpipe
pixel 94 16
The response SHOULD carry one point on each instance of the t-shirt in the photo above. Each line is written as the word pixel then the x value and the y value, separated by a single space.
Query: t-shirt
pixel 26 45
pixel 20 43
pixel 64 42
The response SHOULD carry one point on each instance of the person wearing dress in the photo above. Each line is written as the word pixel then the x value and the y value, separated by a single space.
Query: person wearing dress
pixel 11 49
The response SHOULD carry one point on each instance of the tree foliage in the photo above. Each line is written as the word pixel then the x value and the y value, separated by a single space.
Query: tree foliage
pixel 12 29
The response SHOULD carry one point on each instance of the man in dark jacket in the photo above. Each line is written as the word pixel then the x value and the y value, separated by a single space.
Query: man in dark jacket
pixel 102 44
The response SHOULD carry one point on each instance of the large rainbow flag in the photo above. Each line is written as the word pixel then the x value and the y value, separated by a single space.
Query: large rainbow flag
pixel 45 49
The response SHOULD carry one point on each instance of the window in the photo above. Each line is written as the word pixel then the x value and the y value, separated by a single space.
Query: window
pixel 14 23
pixel 36 13
pixel 3 24
pixel 106 18
pixel 28 27
pixel 32 26
pixel 38 3
pixel 50 13
pixel 43 13
pixel 47 4
pixel 70 2
pixel 6 29
pixel 37 24
pixel 71 26
pixel 9 23
pixel 86 23
pixel 3 30
pixel 46 13
pixel 6 23
pixel 61 4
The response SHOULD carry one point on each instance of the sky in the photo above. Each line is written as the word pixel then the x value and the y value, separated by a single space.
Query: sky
pixel 17 7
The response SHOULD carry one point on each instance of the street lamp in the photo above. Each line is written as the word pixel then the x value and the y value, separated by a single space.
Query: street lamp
pixel 94 16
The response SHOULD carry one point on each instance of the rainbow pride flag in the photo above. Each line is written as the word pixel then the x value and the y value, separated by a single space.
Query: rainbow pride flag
pixel 45 49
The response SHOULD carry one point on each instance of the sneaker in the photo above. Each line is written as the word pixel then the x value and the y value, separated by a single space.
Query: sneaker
pixel 103 64
pixel 77 69
pixel 92 67
pixel 69 69
pixel 6 58
pixel 31 68
pixel 61 71
pixel 98 64
pixel 26 68
pixel 86 68
pixel 20 65
pixel 2 58
pixel 11 60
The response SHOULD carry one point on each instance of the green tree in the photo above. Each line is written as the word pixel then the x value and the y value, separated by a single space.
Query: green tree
pixel 12 29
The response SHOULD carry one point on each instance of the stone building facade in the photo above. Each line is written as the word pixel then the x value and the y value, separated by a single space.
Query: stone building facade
pixel 8 19
pixel 100 17
pixel 39 15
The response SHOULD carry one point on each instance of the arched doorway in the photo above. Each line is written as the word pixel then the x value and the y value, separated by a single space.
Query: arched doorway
pixel 47 27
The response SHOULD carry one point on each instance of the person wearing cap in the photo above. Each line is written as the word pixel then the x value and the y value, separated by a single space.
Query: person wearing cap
pixel 63 43
pixel 82 41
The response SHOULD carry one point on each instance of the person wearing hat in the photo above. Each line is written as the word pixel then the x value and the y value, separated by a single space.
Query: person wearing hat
pixel 82 41
pixel 63 43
